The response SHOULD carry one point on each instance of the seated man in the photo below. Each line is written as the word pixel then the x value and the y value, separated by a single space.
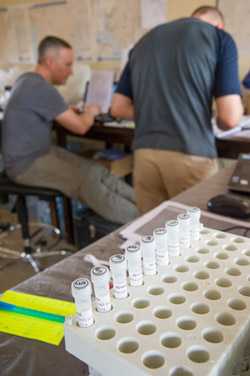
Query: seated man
pixel 29 156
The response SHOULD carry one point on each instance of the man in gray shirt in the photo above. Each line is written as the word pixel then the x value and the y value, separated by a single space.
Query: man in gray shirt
pixel 29 156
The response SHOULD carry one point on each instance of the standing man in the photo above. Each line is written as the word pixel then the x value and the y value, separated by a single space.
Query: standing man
pixel 167 86
pixel 29 156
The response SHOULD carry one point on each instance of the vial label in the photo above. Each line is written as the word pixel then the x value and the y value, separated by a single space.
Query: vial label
pixel 136 278
pixel 85 319
pixel 149 267
pixel 103 304
pixel 120 290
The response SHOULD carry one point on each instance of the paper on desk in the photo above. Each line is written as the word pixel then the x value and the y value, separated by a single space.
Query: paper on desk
pixel 243 125
pixel 120 124
pixel 33 327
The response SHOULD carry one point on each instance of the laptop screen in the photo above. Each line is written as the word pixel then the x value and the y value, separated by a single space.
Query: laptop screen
pixel 100 88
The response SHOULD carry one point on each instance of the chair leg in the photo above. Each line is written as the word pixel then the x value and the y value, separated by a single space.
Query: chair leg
pixel 22 214
pixel 68 219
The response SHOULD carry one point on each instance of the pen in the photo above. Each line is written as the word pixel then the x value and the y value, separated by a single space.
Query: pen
pixel 31 312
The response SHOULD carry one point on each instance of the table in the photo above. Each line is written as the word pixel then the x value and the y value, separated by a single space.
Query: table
pixel 19 356
pixel 229 147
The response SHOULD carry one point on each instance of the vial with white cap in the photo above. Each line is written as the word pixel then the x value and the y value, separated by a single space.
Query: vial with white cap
pixel 100 277
pixel 173 238
pixel 148 255
pixel 195 214
pixel 161 246
pixel 118 267
pixel 133 254
pixel 81 291
pixel 184 220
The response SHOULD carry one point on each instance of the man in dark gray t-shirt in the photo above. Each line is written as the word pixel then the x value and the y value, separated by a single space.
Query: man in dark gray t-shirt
pixel 28 154
pixel 167 86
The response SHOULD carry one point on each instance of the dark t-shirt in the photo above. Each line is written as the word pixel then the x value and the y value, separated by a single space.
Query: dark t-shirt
pixel 27 123
pixel 172 75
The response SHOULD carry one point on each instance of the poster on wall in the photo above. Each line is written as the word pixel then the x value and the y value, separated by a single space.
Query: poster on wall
pixel 153 13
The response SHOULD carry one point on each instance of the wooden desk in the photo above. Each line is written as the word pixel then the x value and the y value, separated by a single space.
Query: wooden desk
pixel 110 135
pixel 20 356
pixel 227 148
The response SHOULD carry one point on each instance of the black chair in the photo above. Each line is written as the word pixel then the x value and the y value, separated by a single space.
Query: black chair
pixel 30 254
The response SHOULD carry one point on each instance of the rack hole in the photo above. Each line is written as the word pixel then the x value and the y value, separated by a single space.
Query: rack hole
pixel 182 269
pixel 169 279
pixel 181 371
pixel 156 290
pixel 198 354
pixel 146 328
pixel 212 335
pixel 239 240
pixel 192 259
pixel 190 286
pixel 128 346
pixel 200 308
pixel 233 272
pixel 223 282
pixel 162 313
pixel 212 265
pixel 153 360
pixel 105 334
pixel 203 251
pixel 205 232
pixel 171 340
pixel 202 275
pixel 226 319
pixel 141 303
pixel 222 256
pixel 220 236
pixel 212 294
pixel 177 299
pixel 231 248
pixel 247 253
pixel 212 243
pixel 186 324
pixel 237 304
pixel 124 318
pixel 245 290
pixel 242 261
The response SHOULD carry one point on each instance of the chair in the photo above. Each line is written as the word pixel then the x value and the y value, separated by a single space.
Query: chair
pixel 30 254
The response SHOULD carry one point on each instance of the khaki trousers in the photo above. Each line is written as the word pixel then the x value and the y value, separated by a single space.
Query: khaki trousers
pixel 85 180
pixel 162 174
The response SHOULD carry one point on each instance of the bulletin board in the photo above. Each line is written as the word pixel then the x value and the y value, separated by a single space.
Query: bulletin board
pixel 99 30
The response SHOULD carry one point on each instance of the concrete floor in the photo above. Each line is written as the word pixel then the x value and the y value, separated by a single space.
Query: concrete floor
pixel 14 270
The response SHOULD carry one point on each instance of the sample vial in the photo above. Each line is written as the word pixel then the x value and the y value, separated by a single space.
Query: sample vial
pixel 133 254
pixel 81 291
pixel 100 277
pixel 184 220
pixel 148 255
pixel 118 267
pixel 161 246
pixel 173 238
pixel 195 214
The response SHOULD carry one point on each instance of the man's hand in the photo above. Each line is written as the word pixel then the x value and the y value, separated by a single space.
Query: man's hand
pixel 92 109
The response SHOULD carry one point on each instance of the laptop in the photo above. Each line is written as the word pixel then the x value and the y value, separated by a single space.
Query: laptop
pixel 240 179
pixel 100 90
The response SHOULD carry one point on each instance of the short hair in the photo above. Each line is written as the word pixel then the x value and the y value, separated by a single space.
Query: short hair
pixel 50 43
pixel 214 12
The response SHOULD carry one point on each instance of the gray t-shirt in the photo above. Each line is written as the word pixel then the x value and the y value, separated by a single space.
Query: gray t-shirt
pixel 173 73
pixel 28 120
